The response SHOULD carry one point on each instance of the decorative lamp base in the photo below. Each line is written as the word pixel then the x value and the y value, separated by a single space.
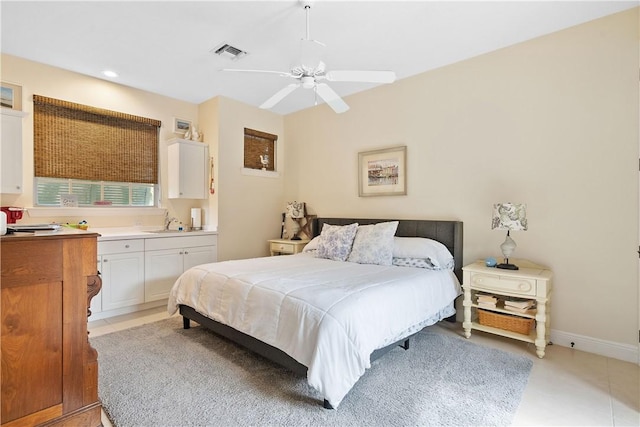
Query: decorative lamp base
pixel 296 238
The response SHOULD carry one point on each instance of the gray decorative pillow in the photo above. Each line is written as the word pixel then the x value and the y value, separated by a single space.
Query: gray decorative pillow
pixel 373 244
pixel 335 241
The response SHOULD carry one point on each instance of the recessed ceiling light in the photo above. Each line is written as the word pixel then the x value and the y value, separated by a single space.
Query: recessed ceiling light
pixel 109 73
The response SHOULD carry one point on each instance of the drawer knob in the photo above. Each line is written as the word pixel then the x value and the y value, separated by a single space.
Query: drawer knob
pixel 126 246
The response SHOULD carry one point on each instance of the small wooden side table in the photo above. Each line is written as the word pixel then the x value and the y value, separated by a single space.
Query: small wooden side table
pixel 286 247
pixel 531 281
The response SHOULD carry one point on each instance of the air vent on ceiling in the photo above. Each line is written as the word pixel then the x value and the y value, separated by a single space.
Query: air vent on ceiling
pixel 230 52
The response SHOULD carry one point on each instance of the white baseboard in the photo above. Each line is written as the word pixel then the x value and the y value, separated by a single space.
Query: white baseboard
pixel 626 352
pixel 126 310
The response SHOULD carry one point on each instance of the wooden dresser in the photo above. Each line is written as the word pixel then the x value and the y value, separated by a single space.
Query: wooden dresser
pixel 49 371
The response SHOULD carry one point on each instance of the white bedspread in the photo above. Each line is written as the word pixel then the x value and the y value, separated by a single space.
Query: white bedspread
pixel 328 315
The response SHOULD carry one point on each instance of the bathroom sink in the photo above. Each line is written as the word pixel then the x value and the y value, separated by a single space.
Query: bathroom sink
pixel 167 231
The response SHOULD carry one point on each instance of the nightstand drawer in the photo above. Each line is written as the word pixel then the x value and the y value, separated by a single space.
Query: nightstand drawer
pixel 282 248
pixel 501 283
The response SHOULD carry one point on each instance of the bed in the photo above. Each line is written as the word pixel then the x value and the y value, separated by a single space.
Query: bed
pixel 309 310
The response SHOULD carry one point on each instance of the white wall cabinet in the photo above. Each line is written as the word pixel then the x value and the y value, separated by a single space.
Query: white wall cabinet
pixel 188 166
pixel 11 152
pixel 166 259
pixel 121 264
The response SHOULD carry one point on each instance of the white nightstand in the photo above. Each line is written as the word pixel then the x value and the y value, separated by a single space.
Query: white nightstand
pixel 286 247
pixel 531 281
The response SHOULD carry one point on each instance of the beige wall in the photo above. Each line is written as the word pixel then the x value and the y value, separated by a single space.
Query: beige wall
pixel 54 82
pixel 552 123
pixel 249 206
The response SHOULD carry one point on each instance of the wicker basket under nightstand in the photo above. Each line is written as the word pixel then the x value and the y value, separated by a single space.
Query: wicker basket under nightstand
pixel 506 322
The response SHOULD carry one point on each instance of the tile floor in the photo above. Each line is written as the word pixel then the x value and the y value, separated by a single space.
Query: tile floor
pixel 567 388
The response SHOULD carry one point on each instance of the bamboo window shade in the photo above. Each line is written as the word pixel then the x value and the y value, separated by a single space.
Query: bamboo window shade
pixel 256 144
pixel 75 141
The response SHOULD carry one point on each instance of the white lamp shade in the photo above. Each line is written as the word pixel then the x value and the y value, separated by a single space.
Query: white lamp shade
pixel 509 216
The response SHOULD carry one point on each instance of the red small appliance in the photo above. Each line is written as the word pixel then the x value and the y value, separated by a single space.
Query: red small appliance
pixel 13 214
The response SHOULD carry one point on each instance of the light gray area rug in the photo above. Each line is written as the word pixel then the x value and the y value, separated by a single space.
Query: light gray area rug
pixel 162 375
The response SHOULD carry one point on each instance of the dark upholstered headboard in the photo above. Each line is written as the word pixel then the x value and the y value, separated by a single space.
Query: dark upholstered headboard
pixel 449 233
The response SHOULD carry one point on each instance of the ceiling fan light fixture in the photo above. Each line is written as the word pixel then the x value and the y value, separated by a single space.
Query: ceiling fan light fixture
pixel 308 82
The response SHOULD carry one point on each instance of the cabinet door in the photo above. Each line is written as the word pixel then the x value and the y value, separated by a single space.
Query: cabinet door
pixel 32 338
pixel 11 154
pixel 162 268
pixel 187 170
pixel 199 255
pixel 122 280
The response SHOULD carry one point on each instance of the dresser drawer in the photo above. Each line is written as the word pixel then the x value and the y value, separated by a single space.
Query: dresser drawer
pixel 502 283
pixel 120 246
pixel 281 247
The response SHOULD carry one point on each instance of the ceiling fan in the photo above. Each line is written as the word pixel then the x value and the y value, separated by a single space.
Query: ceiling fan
pixel 311 72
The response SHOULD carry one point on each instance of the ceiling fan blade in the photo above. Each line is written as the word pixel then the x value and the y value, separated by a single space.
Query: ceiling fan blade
pixel 279 95
pixel 281 73
pixel 361 76
pixel 331 98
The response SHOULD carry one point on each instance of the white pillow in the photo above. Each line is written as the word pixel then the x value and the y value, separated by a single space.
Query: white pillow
pixel 312 245
pixel 373 244
pixel 420 247
pixel 335 241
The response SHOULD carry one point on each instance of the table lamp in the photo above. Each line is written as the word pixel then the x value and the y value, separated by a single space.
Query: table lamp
pixel 295 211
pixel 509 216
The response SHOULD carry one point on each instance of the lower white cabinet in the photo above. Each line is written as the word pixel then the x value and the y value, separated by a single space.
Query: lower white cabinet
pixel 122 269
pixel 166 259
pixel 139 271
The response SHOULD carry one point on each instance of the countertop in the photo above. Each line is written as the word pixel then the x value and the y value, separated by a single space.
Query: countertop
pixel 113 233
pixel 119 233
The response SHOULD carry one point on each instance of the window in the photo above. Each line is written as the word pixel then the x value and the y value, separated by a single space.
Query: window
pixel 259 150
pixel 104 157
pixel 92 193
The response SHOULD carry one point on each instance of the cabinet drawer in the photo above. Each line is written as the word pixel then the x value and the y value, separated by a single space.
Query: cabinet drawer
pixel 501 283
pixel 120 246
pixel 178 242
pixel 282 248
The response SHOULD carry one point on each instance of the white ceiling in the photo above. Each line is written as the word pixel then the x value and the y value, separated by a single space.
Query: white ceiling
pixel 165 46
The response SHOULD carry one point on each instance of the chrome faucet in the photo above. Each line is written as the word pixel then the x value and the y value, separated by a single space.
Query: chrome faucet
pixel 168 221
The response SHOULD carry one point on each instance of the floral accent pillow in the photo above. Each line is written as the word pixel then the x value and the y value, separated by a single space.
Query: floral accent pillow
pixel 414 262
pixel 373 244
pixel 335 241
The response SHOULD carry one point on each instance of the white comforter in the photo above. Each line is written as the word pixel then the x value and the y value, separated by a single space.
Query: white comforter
pixel 328 315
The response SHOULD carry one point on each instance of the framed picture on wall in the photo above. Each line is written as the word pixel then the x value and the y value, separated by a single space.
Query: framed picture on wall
pixel 181 126
pixel 382 172
pixel 11 96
